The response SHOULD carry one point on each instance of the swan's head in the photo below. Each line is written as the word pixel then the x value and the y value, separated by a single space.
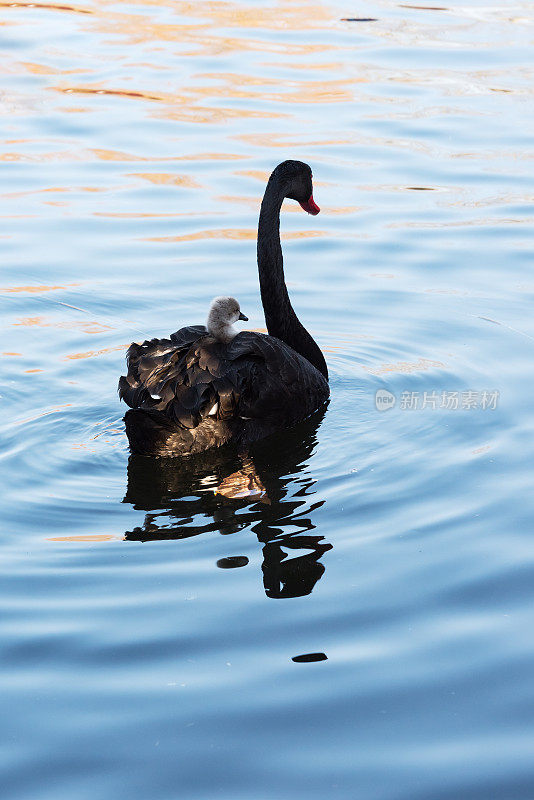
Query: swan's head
pixel 296 178
pixel 224 311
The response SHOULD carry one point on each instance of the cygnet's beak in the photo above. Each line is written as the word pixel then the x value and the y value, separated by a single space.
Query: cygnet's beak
pixel 242 316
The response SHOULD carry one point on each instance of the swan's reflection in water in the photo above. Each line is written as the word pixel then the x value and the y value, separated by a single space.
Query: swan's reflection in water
pixel 179 500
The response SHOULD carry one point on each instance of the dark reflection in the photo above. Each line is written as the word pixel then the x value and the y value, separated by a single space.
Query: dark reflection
pixel 178 496
pixel 307 658
pixel 232 562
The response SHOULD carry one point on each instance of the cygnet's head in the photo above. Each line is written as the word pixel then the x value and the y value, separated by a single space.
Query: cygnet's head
pixel 224 311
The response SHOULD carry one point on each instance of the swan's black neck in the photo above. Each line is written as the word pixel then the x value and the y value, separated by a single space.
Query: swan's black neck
pixel 281 320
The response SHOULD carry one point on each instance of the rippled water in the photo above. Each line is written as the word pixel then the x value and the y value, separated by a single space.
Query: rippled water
pixel 150 627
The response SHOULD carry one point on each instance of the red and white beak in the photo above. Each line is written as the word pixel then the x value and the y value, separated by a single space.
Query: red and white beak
pixel 310 206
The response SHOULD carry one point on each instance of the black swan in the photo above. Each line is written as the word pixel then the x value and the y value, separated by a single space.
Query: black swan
pixel 204 387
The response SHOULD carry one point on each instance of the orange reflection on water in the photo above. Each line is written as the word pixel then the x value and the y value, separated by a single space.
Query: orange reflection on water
pixel 118 155
pixel 56 155
pixel 288 140
pixel 249 234
pixel 42 69
pixel 89 326
pixel 422 365
pixel 47 7
pixel 186 112
pixel 93 353
pixel 100 90
pixel 147 215
pixel 89 537
pixel 54 190
pixel 35 289
pixel 202 38
pixel 281 15
pixel 143 30
pixel 258 174
pixel 424 8
pixel 484 449
pixel 179 107
pixel 166 178
pixel 290 91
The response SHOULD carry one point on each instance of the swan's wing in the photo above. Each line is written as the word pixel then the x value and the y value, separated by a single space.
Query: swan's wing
pixel 191 376
pixel 152 363
pixel 275 383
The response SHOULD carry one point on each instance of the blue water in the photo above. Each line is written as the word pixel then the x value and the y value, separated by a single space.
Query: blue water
pixel 149 625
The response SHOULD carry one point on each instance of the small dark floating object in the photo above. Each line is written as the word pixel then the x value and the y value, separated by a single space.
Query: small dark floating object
pixel 232 562
pixel 420 188
pixel 310 657
pixel 359 19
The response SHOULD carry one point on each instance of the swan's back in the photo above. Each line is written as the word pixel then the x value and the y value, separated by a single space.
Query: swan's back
pixel 191 392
